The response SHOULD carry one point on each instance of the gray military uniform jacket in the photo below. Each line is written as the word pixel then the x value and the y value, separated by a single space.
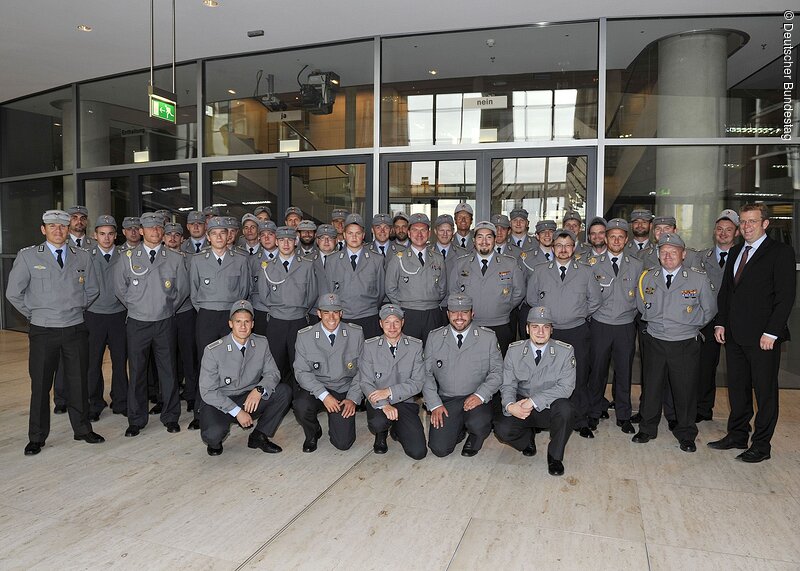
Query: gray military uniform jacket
pixel 216 287
pixel 552 379
pixel 475 368
pixel 151 292
pixel 466 244
pixel 318 367
pixel 254 267
pixel 528 260
pixel 225 372
pixel 618 292
pixel 48 295
pixel 86 242
pixel 390 249
pixel 287 295
pixel 677 313
pixel 495 294
pixel 411 285
pixel 404 373
pixel 360 290
pixel 571 301
pixel 526 244
pixel 107 302
pixel 709 263
pixel 188 246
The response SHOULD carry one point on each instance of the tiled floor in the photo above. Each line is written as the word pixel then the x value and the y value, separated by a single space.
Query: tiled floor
pixel 159 502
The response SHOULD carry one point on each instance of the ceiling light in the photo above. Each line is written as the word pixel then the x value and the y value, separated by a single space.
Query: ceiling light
pixel 232 92
pixel 210 3
pixel 432 71
pixel 84 28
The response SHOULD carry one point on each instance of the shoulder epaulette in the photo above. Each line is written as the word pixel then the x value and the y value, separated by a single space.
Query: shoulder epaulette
pixel 698 270
pixel 562 344
pixel 304 329
pixel 518 343
pixel 372 339
pixel 486 329
pixel 410 338
pixel 216 343
pixel 355 326
pixel 443 328
pixel 41 248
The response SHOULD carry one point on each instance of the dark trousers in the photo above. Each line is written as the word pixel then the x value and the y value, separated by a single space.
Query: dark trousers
pixel 522 319
pixel 107 330
pixel 46 346
pixel 160 338
pixel 281 336
pixel 419 322
pixel 678 364
pixel 341 431
pixel 370 326
pixel 260 321
pixel 59 386
pixel 519 433
pixel 210 325
pixel 666 392
pixel 407 429
pixel 752 369
pixel 709 360
pixel 313 318
pixel 215 425
pixel 478 422
pixel 186 325
pixel 617 342
pixel 505 336
pixel 579 338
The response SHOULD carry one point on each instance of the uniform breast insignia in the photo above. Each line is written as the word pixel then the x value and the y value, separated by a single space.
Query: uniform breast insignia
pixel 129 253
pixel 464 273
pixel 135 282
pixel 631 293
pixel 81 279
pixel 541 295
pixel 504 275
pixel 227 380
pixel 649 290
pixel 206 281
pixel 264 265
pixel 689 293
pixel 315 366
pixel 592 261
pixel 688 309
pixel 439 363
pixel 648 305
pixel 463 288
pixel 167 284
pixel 523 255
pixel 136 268
pixel 378 375
pixel 350 365
pixel 405 279
pixel 39 267
pixel 505 291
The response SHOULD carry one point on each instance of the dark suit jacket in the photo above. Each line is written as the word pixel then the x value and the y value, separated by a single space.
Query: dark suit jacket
pixel 764 297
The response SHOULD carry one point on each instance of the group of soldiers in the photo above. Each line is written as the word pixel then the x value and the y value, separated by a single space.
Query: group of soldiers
pixel 495 328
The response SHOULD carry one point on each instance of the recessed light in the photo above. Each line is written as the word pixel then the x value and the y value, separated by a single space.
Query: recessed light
pixel 432 71
pixel 232 92
pixel 210 3
pixel 84 28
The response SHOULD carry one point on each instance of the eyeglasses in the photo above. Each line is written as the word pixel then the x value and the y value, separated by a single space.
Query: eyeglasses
pixel 743 222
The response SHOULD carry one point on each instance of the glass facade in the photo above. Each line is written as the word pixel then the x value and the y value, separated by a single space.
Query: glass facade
pixel 22 204
pixel 431 187
pixel 238 191
pixel 317 190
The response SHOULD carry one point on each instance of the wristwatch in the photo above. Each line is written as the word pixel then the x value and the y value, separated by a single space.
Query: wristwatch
pixel 260 389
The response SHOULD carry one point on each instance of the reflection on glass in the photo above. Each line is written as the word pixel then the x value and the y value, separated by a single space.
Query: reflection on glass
pixel 168 191
pixel 24 202
pixel 12 319
pixel 317 190
pixel 431 187
pixel 239 191
pixel 109 196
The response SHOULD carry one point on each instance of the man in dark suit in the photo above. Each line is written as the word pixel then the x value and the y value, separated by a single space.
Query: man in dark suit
pixel 755 300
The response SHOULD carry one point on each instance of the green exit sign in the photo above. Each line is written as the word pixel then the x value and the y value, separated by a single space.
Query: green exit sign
pixel 162 108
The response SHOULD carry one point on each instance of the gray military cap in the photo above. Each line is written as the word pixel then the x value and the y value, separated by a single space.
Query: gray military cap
pixel 354 219
pixel 459 302
pixel 152 220
pixel 131 222
pixel 641 214
pixel 572 215
pixel 564 232
pixel 242 305
pixel 329 302
pixel 670 239
pixel 211 211
pixel 339 213
pixel 444 219
pixel 293 210
pixel 400 215
pixel 419 218
pixel 326 230
pixel 668 220
pixel 390 309
pixel 216 222
pixel 55 217
pixel 231 222
pixel 195 217
pixel 485 226
pixel 728 214
pixel 286 232
pixel 379 219
pixel 78 210
pixel 173 228
pixel 463 207
pixel 501 220
pixel 598 220
pixel 262 208
pixel 541 315
pixel 518 213
pixel 545 225
pixel 250 217
pixel 617 224
pixel 267 226
pixel 105 220
pixel 165 214
pixel 306 225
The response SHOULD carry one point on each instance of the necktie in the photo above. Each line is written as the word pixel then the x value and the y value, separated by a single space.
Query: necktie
pixel 286 265
pixel 353 259
pixel 219 261
pixel 669 280
pixel 242 350
pixel 742 262
pixel 547 256
pixel 722 256
pixel 538 356
pixel 519 243
pixel 640 244
pixel 392 348
pixel 463 242
pixel 271 256
pixel 324 257
pixel 107 257
pixel 332 337
pixel 152 256
pixel 615 266
pixel 444 253
pixel 484 267
pixel 563 272
pixel 383 250
pixel 421 259
pixel 499 250
pixel 340 246
pixel 251 250
pixel 59 259
pixel 197 247
pixel 460 340
pixel 78 242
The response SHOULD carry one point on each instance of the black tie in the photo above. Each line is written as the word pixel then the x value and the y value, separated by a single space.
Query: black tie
pixel 107 257
pixel 152 256
pixel 444 253
pixel 383 250
pixel 538 356
pixel 669 280
pixel 460 340
pixel 640 244
pixel 353 259
pixel 324 257
pixel 547 256
pixel 197 247
pixel 498 250
pixel 78 242
pixel 484 267
pixel 219 261
pixel 251 250
pixel 332 337
pixel 722 256
pixel 615 266
pixel 392 348
pixel 242 350
pixel 59 259
pixel 271 256
pixel 519 243
pixel 463 242
pixel 563 272
pixel 286 265
pixel 340 246
pixel 421 259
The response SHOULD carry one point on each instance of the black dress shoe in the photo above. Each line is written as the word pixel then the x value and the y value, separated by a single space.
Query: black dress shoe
pixel 172 427
pixel 133 431
pixel 60 409
pixel 156 409
pixel 626 426
pixel 702 417
pixel 642 438
pixel 688 446
pixel 672 424
pixel 585 432
pixel 310 444
pixel 33 448
pixel 530 449
pixel 593 423
pixel 94 416
pixel 751 456
pixel 604 415
pixel 469 449
pixel 727 443
pixel 194 425
pixel 636 418
pixel 214 451
pixel 260 440
pixel 555 467
pixel 90 437
pixel 380 446
pixel 189 405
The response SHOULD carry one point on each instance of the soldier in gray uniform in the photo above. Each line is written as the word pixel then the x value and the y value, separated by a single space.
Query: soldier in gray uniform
pixel 502 245
pixel 712 261
pixel 391 371
pixel 675 303
pixel 326 247
pixel 325 366
pixel 519 239
pixel 338 216
pixel 51 285
pixel 292 217
pixel 493 281
pixel 465 370
pixel 571 292
pixel 400 229
pixel 417 282
pixel 596 236
pixel 381 244
pixel 288 288
pixel 105 319
pixel 210 212
pixel 233 226
pixel 131 229
pixel 78 221
pixel 267 253
pixel 263 213
pixel 613 333
pixel 239 381
pixel 528 259
pixel 444 228
pixel 196 223
pixel 306 236
pixel 462 215
pixel 573 222
pixel 249 241
pixel 640 223
pixel 357 276
pixel 152 283
pixel 538 379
